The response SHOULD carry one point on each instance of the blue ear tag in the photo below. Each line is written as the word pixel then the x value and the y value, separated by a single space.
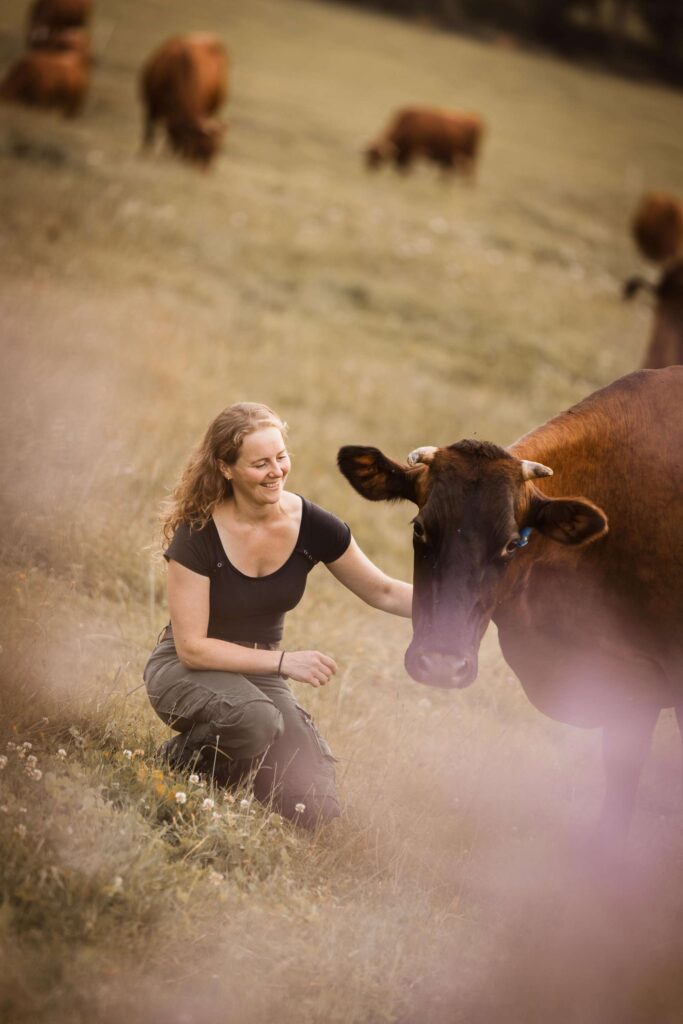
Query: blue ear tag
pixel 524 537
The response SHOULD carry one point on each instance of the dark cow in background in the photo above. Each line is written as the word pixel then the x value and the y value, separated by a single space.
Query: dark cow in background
pixel 657 226
pixel 666 342
pixel 47 17
pixel 48 79
pixel 450 139
pixel 182 84
pixel 587 592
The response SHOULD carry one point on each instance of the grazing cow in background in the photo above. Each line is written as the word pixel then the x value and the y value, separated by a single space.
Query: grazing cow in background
pixel 46 16
pixel 657 226
pixel 183 83
pixel 450 139
pixel 666 342
pixel 46 79
pixel 586 592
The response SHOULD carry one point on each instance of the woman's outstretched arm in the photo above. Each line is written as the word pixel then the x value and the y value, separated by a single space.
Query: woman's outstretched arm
pixel 363 578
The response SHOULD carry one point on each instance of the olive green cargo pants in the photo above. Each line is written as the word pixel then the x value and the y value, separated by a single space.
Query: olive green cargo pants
pixel 230 724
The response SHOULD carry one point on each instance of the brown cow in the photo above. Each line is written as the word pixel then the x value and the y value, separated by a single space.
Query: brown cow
pixel 666 342
pixel 657 226
pixel 586 592
pixel 45 79
pixel 448 138
pixel 47 16
pixel 182 84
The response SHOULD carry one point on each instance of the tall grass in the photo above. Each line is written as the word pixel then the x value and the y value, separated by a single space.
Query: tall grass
pixel 139 298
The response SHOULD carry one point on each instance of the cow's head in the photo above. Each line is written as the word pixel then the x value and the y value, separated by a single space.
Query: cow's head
pixel 196 138
pixel 378 153
pixel 473 500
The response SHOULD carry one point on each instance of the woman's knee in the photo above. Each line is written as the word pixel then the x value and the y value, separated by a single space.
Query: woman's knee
pixel 250 728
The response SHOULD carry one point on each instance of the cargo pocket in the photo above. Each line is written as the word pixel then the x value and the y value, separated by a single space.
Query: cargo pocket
pixel 323 745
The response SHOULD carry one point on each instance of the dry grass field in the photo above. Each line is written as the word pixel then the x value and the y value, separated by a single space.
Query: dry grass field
pixel 138 298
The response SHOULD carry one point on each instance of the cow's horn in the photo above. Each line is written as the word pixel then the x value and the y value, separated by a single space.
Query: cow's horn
pixel 532 469
pixel 425 454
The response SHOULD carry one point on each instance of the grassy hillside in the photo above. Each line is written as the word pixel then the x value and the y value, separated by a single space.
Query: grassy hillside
pixel 139 297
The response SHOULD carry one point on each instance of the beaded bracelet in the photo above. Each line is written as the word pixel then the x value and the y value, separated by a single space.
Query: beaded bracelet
pixel 279 666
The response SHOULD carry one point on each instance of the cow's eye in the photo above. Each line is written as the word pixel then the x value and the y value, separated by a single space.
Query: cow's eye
pixel 510 547
pixel 418 529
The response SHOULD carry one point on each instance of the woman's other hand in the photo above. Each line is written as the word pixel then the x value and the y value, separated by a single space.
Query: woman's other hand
pixel 310 667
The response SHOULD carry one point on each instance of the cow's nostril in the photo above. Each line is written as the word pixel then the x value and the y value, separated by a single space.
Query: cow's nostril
pixel 460 668
pixel 423 663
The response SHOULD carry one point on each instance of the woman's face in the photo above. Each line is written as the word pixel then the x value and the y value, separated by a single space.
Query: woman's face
pixel 261 468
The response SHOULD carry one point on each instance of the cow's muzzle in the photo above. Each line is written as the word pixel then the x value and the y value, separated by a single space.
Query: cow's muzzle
pixel 437 668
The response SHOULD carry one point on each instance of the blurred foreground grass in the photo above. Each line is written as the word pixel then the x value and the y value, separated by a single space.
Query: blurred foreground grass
pixel 138 299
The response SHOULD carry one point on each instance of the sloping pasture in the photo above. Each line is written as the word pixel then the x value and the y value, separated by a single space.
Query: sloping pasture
pixel 139 297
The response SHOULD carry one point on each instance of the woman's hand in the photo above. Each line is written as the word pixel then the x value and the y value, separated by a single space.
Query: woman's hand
pixel 310 667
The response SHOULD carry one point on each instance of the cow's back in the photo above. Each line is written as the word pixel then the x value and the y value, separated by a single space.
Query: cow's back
pixel 60 13
pixel 186 75
pixel 422 127
pixel 48 79
pixel 657 226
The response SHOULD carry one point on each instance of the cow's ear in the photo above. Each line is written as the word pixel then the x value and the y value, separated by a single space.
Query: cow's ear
pixel 568 520
pixel 375 476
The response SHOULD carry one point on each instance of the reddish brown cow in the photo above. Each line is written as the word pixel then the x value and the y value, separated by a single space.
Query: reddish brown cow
pixel 46 16
pixel 587 592
pixel 657 226
pixel 666 342
pixel 448 138
pixel 182 84
pixel 45 79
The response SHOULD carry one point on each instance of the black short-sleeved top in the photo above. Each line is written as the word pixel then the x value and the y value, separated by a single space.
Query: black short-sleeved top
pixel 252 608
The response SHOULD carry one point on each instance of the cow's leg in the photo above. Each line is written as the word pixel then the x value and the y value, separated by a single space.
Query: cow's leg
pixel 149 130
pixel 403 158
pixel 625 744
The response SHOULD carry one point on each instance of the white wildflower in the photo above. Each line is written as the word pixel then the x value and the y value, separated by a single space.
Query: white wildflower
pixel 180 797
pixel 11 746
pixel 215 877
pixel 244 804
pixel 61 753
pixel 21 831
pixel 194 779
pixel 214 817
pixel 21 810
pixel 3 761
pixel 117 883
pixel 208 804
pixel 32 760
pixel 128 754
pixel 26 745
pixel 299 808
pixel 36 774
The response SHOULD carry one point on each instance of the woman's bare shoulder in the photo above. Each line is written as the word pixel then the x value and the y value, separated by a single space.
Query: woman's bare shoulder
pixel 292 504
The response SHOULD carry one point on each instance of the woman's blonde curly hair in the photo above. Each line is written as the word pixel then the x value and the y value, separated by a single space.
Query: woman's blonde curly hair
pixel 202 485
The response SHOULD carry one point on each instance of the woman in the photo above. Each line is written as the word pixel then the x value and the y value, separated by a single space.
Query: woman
pixel 241 549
